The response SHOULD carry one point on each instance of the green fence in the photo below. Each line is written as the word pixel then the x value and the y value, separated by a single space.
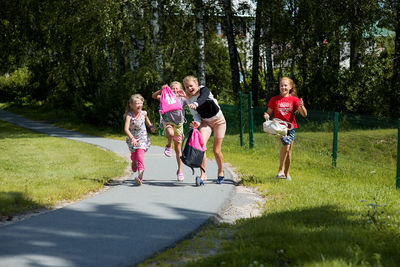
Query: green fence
pixel 245 120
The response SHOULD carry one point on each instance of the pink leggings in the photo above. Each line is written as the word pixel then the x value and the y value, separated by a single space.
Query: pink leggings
pixel 138 156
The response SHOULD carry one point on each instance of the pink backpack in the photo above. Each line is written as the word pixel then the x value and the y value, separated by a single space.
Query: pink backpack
pixel 168 100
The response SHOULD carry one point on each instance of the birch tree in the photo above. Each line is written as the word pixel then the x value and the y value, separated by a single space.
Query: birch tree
pixel 255 84
pixel 233 53
pixel 199 12
pixel 155 40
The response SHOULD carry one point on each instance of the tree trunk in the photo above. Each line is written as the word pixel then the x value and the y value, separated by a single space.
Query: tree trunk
pixel 155 41
pixel 200 42
pixel 233 54
pixel 395 99
pixel 396 60
pixel 269 66
pixel 255 84
pixel 355 38
pixel 109 62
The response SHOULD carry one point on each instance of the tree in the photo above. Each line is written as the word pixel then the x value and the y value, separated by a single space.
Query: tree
pixel 199 11
pixel 396 60
pixel 233 54
pixel 255 84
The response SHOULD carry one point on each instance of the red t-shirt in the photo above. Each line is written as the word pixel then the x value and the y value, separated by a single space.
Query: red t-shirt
pixel 284 108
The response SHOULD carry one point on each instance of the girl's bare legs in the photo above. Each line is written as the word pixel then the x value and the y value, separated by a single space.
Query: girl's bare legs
pixel 206 135
pixel 282 158
pixel 218 155
pixel 178 154
pixel 285 159
pixel 288 160
pixel 170 135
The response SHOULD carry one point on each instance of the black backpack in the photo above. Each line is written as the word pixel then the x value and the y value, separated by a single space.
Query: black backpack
pixel 193 151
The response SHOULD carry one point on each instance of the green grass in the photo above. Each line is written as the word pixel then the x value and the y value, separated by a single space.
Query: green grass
pixel 38 171
pixel 343 216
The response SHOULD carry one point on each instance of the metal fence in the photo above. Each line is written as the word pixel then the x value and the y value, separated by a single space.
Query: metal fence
pixel 245 120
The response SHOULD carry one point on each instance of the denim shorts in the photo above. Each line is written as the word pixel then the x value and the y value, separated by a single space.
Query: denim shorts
pixel 289 138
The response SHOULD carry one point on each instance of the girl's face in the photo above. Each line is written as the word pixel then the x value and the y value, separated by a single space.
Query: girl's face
pixel 285 87
pixel 176 88
pixel 191 87
pixel 137 105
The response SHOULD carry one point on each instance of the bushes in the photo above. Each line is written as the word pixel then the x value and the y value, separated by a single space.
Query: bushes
pixel 16 86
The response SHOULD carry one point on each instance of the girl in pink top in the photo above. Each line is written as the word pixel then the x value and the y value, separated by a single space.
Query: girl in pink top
pixel 283 107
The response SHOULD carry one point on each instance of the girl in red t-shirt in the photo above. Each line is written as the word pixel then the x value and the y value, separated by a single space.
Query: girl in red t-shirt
pixel 283 107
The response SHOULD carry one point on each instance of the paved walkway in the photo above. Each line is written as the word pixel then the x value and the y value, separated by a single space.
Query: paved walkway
pixel 120 227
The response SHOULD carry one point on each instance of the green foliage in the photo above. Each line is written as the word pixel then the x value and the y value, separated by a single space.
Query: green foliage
pixel 368 90
pixel 218 74
pixel 89 56
pixel 16 86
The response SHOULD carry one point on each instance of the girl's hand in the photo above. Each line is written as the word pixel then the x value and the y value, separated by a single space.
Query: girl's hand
pixel 301 102
pixel 152 129
pixel 134 142
pixel 266 116
pixel 194 124
pixel 192 106
pixel 181 93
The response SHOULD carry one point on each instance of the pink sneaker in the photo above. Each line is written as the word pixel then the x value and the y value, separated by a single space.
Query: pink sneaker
pixel 168 151
pixel 180 176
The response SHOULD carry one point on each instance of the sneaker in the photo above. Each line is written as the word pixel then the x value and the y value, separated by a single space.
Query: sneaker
pixel 288 178
pixel 199 181
pixel 139 181
pixel 220 179
pixel 168 151
pixel 281 175
pixel 180 177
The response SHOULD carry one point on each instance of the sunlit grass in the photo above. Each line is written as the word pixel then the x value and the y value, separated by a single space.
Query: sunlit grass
pixel 39 171
pixel 343 216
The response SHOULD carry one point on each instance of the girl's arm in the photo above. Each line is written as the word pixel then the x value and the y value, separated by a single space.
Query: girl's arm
pixel 149 124
pixel 302 109
pixel 156 95
pixel 126 129
pixel 268 114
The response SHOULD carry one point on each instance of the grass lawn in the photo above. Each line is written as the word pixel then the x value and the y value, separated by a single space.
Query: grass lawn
pixel 38 171
pixel 343 216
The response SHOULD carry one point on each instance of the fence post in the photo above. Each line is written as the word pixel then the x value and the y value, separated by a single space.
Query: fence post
pixel 241 118
pixel 335 137
pixel 398 157
pixel 251 139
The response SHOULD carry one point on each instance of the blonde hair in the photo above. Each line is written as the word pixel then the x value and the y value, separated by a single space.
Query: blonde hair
pixel 177 83
pixel 293 91
pixel 132 100
pixel 190 78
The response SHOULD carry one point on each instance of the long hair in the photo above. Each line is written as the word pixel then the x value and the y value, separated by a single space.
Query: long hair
pixel 132 100
pixel 293 91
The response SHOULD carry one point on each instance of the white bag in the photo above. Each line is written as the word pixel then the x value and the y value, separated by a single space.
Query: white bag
pixel 277 127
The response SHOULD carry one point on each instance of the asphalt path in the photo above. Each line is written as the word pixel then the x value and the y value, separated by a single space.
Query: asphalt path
pixel 123 225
